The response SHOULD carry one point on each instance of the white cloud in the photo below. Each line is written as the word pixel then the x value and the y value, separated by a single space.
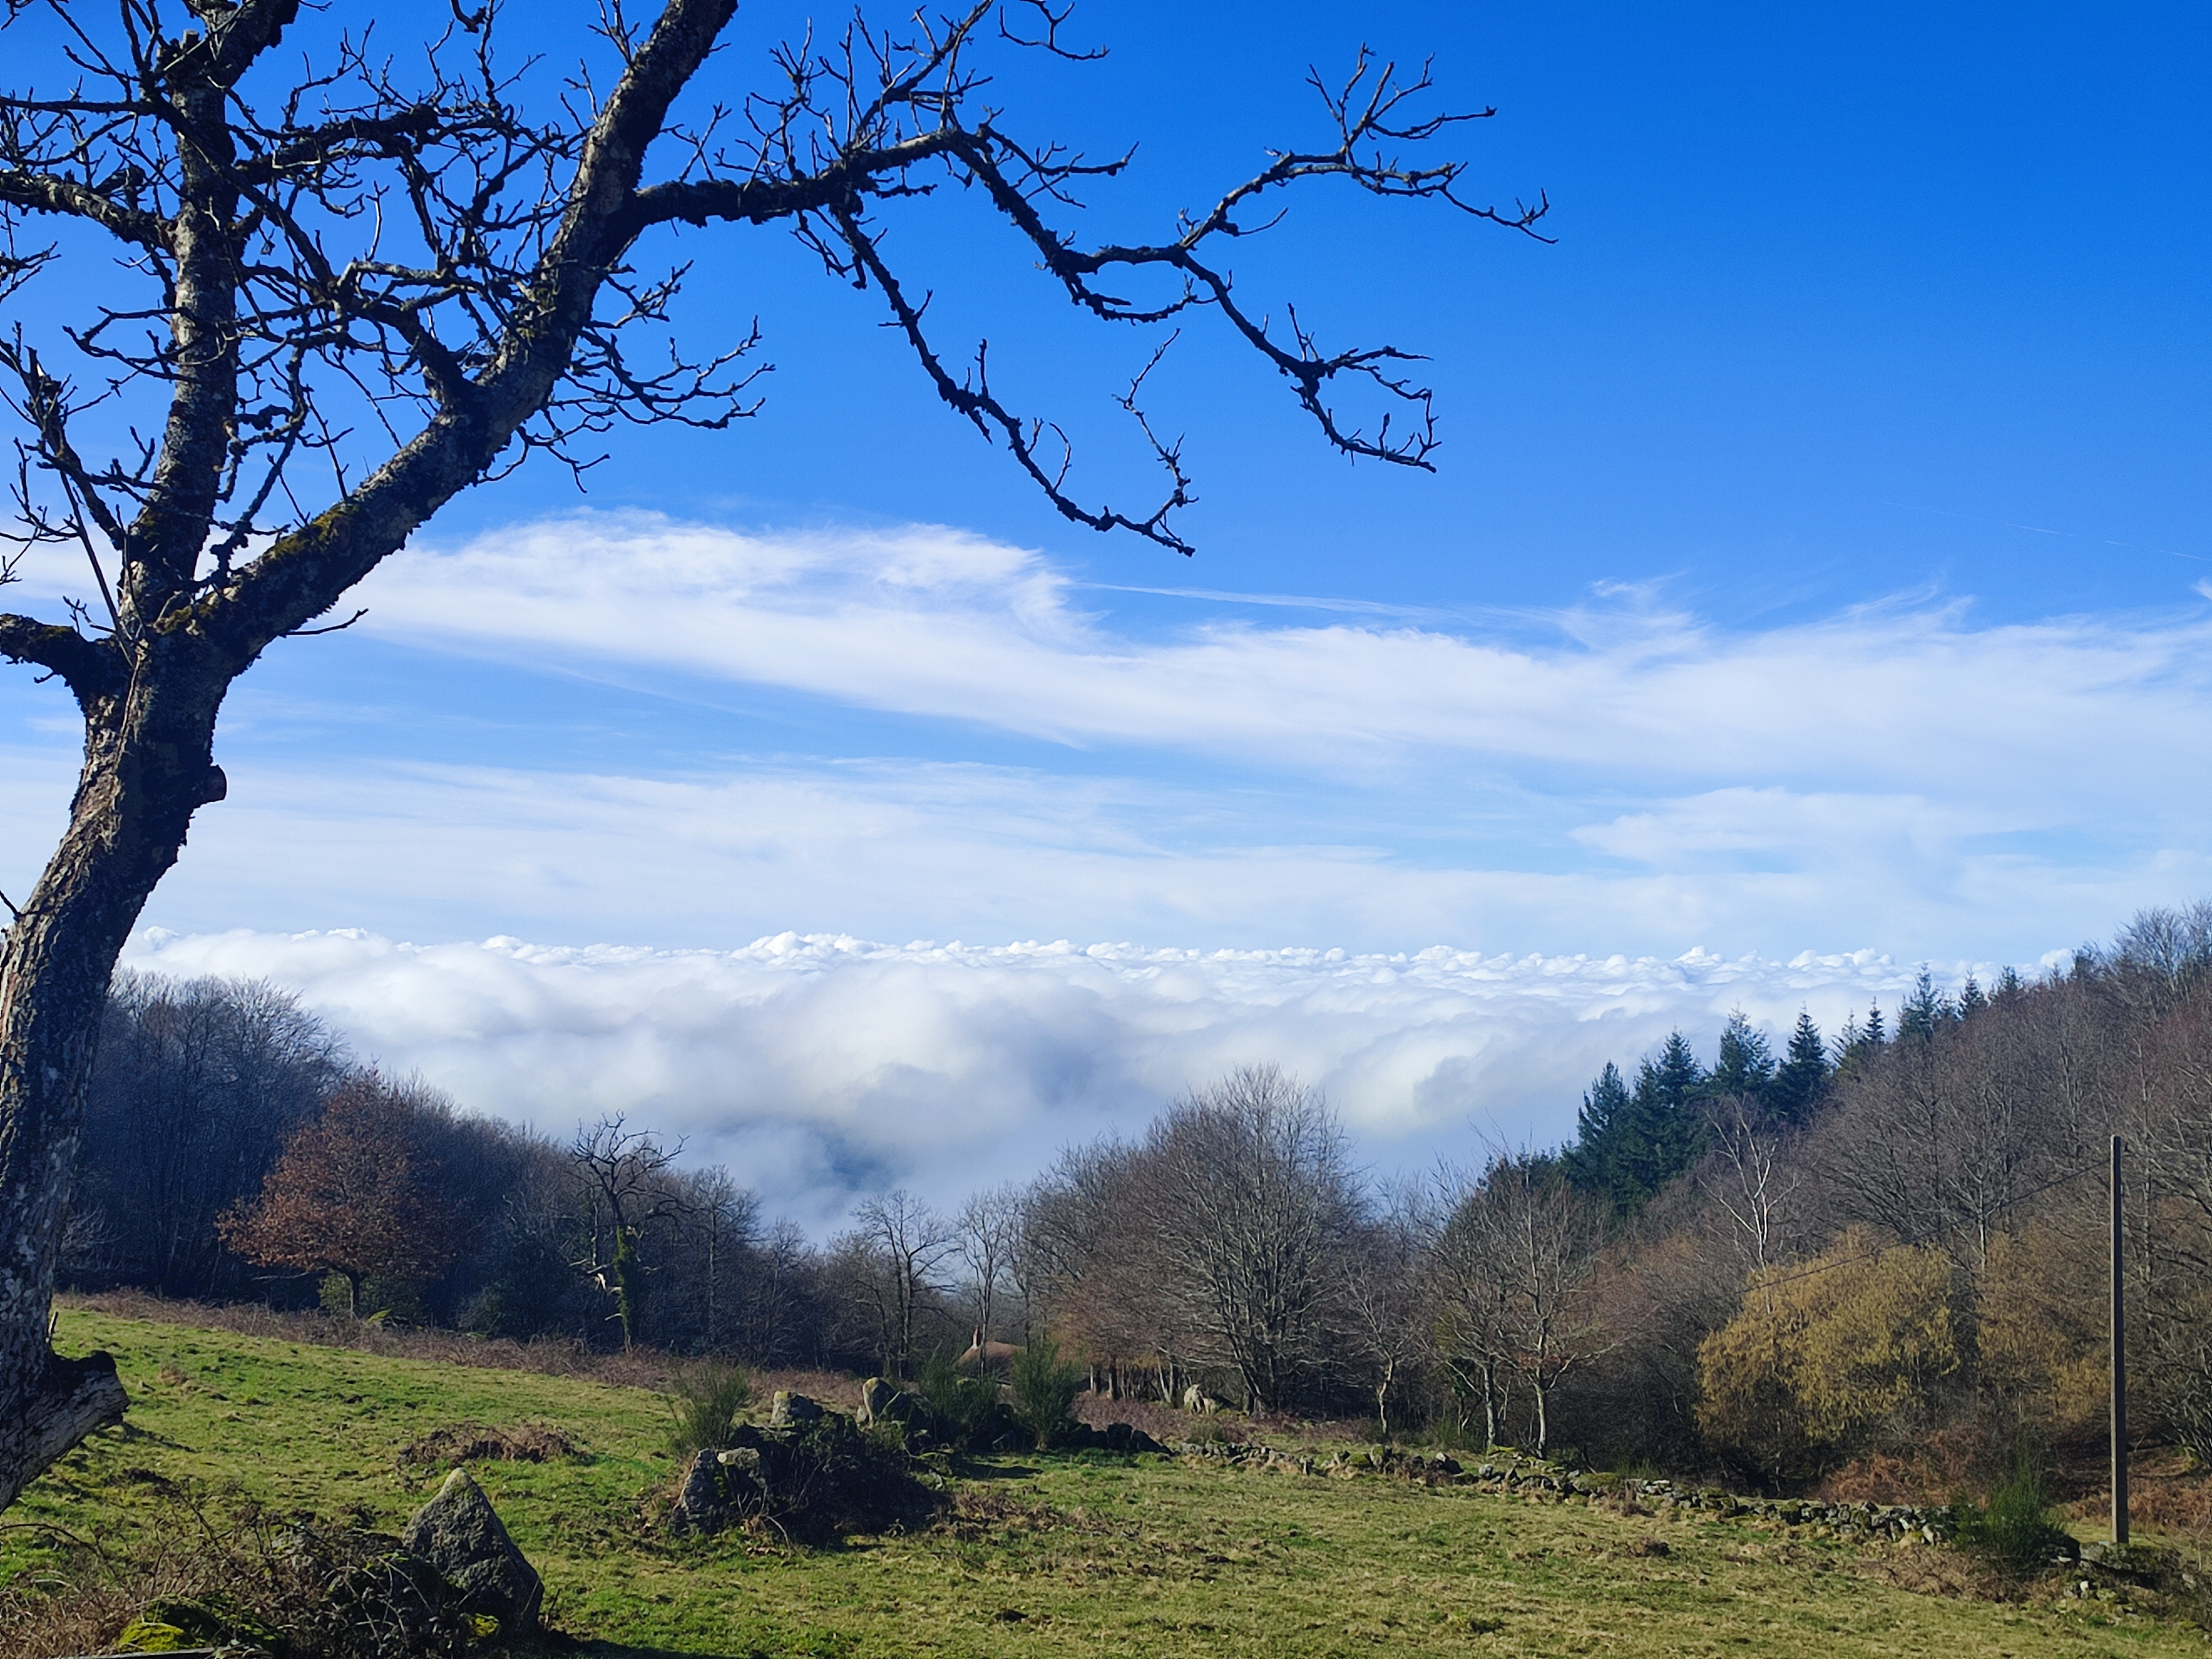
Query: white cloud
pixel 899 850
pixel 823 1066
pixel 1612 778
pixel 935 622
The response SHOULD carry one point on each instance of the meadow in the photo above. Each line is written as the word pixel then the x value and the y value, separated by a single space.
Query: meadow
pixel 1035 1555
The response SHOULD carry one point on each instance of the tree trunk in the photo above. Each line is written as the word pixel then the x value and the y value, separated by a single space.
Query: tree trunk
pixel 149 765
pixel 627 1289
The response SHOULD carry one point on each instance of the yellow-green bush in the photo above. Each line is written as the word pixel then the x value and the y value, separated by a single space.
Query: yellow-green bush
pixel 1824 1352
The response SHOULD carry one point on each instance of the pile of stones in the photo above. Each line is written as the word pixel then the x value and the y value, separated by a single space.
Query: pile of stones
pixel 810 1474
pixel 450 1583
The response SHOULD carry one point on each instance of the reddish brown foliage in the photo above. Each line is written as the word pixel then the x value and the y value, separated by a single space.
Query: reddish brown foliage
pixel 352 1194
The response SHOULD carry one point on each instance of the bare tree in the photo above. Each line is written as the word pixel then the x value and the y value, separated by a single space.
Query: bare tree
pixel 1090 1267
pixel 724 1231
pixel 1248 1194
pixel 1530 1242
pixel 197 1086
pixel 1940 1139
pixel 903 1244
pixel 782 1318
pixel 988 1235
pixel 627 1182
pixel 1468 1267
pixel 365 288
pixel 1745 1177
pixel 1384 1293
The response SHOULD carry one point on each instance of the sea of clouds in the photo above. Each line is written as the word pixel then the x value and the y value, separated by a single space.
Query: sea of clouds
pixel 820 1069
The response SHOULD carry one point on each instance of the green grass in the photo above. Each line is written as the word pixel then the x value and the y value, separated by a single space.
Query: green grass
pixel 1049 1556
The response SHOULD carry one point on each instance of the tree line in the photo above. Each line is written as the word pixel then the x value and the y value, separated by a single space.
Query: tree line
pixel 1885 1242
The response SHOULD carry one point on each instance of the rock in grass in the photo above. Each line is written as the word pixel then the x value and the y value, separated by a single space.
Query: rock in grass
pixel 792 1411
pixel 881 1403
pixel 458 1533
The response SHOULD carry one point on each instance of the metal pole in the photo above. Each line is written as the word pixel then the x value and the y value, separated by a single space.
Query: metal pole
pixel 2119 1369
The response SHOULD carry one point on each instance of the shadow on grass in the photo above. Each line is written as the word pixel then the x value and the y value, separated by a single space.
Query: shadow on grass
pixel 969 1471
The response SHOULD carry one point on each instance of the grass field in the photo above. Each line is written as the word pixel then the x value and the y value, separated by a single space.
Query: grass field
pixel 1042 1556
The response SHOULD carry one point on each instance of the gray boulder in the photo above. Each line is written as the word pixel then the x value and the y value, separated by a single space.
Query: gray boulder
pixel 458 1533
pixel 881 1403
pixel 790 1411
pixel 1127 1437
pixel 699 1496
pixel 718 1489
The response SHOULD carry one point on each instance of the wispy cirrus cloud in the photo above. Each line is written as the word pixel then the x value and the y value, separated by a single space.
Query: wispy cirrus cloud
pixel 935 622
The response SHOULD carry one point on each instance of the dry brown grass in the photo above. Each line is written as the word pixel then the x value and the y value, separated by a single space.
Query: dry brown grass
pixel 1958 1458
pixel 471 1443
pixel 56 1615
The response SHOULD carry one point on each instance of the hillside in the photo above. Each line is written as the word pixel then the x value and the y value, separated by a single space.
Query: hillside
pixel 1039 1555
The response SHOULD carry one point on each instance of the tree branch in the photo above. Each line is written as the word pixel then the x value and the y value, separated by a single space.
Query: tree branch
pixel 48 193
pixel 89 668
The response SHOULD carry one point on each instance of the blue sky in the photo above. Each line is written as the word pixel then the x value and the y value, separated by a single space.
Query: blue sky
pixel 1811 576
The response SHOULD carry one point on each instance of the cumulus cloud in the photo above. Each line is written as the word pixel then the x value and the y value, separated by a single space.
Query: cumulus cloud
pixel 821 1067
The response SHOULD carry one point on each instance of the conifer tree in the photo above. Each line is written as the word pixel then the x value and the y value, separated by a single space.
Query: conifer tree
pixel 1599 1129
pixel 1971 1000
pixel 1803 1076
pixel 1924 1012
pixel 1605 1107
pixel 1746 1066
pixel 1855 1042
pixel 1632 1143
pixel 1669 1113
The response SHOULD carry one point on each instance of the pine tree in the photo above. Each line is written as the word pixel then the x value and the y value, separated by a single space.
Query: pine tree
pixel 2008 985
pixel 1924 1012
pixel 1971 1000
pixel 1746 1066
pixel 1599 1129
pixel 1802 1077
pixel 1605 1107
pixel 1667 1122
pixel 1630 1144
pixel 1857 1043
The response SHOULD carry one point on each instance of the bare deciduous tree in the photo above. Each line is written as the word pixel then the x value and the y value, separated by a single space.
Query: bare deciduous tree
pixel 365 288
pixel 1384 1291
pixel 1745 1177
pixel 724 1230
pixel 989 1229
pixel 903 1244
pixel 1537 1239
pixel 628 1185
pixel 1247 1195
